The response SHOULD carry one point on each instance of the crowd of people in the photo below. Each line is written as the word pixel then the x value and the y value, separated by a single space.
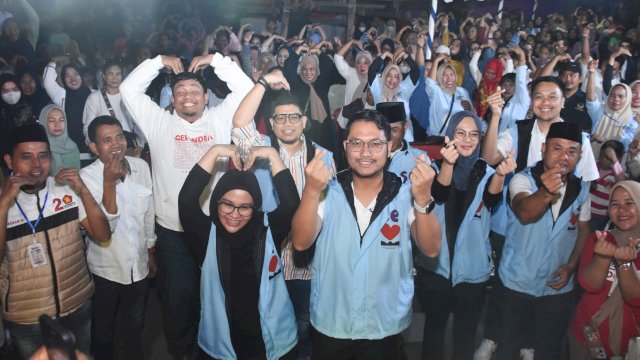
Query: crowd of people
pixel 295 194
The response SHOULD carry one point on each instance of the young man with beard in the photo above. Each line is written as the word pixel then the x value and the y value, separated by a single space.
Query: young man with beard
pixel 120 271
pixel 362 224
pixel 44 267
pixel 177 140
pixel 296 150
pixel 548 222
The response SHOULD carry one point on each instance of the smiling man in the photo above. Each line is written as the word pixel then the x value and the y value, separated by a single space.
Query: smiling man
pixel 120 270
pixel 362 224
pixel 547 101
pixel 177 140
pixel 44 266
pixel 548 222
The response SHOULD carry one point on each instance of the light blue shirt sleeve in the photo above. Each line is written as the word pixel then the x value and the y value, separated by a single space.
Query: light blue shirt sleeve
pixel 595 111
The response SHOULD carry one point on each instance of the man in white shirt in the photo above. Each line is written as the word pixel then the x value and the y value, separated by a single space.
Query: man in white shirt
pixel 120 269
pixel 177 140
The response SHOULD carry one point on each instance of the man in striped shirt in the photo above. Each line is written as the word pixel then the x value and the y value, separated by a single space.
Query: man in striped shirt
pixel 287 123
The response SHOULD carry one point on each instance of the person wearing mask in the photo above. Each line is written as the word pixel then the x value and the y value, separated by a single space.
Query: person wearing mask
pixel 13 110
pixel 64 152
pixel 608 273
pixel 246 311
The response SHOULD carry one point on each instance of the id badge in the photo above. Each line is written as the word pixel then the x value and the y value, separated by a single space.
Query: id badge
pixel 37 255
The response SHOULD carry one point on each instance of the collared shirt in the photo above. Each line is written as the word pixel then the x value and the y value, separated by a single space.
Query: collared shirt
pixel 295 162
pixel 586 167
pixel 124 259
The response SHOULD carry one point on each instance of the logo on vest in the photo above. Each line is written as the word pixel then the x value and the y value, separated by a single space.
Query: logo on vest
pixel 579 107
pixel 63 203
pixel 274 267
pixel 390 232
pixel 478 213
pixel 574 219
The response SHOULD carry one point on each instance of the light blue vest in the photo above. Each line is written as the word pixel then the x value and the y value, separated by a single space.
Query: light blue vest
pixel 277 319
pixel 403 162
pixel 533 252
pixel 362 288
pixel 472 261
pixel 262 171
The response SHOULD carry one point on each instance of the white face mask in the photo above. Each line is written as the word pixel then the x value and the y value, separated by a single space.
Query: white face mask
pixel 405 69
pixel 362 28
pixel 12 97
pixel 391 29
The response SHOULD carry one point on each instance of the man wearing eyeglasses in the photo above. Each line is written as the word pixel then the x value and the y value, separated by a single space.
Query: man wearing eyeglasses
pixel 362 224
pixel 402 156
pixel 296 150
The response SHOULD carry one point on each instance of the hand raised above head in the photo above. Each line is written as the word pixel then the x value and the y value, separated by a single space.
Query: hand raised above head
pixel 173 63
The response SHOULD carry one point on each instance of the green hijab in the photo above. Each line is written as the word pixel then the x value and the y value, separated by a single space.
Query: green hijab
pixel 64 152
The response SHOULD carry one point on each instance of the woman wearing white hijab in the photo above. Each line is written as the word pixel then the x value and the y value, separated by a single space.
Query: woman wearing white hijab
pixel 614 120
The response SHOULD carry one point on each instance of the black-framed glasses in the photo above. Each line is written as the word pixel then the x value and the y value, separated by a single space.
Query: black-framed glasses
pixel 375 145
pixel 460 134
pixel 293 118
pixel 227 208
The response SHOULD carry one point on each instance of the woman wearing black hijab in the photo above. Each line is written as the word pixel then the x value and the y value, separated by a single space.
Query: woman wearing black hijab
pixel 32 91
pixel 246 312
pixel 13 110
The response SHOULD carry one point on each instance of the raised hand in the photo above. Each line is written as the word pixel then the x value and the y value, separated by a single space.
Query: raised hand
pixel 602 247
pixel 200 62
pixel 173 63
pixel 277 81
pixel 507 165
pixel 552 180
pixel 421 179
pixel 496 102
pixel 626 253
pixel 449 152
pixel 116 167
pixel 71 177
pixel 317 174
pixel 11 188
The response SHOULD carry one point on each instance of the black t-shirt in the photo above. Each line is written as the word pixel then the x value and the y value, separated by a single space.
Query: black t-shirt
pixel 575 111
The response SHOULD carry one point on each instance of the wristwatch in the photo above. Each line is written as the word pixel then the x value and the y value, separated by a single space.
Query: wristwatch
pixel 427 208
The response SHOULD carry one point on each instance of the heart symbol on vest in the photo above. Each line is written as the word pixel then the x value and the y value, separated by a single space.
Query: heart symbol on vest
pixel 390 232
pixel 574 218
pixel 273 264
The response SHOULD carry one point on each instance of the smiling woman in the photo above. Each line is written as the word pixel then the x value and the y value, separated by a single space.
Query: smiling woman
pixel 239 252
pixel 608 274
